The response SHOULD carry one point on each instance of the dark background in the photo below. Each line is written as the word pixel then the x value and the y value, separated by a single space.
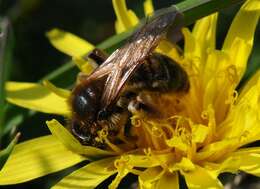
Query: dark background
pixel 34 57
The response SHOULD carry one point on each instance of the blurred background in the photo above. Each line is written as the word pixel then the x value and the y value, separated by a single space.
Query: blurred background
pixel 31 58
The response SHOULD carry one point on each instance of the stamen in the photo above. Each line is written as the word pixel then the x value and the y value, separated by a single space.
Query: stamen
pixel 209 114
pixel 123 168
pixel 102 136
pixel 191 151
pixel 232 74
pixel 169 131
pixel 148 152
pixel 244 137
pixel 153 138
pixel 135 172
pixel 232 97
pixel 136 122
pixel 155 178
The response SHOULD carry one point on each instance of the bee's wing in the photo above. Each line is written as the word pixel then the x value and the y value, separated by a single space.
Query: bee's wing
pixel 127 60
pixel 124 61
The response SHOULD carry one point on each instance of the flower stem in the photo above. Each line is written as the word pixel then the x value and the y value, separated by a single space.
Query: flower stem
pixel 196 9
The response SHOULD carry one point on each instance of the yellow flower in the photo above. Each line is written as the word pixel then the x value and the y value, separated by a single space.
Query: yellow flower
pixel 203 133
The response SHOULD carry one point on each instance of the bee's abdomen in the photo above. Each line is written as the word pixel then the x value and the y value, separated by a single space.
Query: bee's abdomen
pixel 160 73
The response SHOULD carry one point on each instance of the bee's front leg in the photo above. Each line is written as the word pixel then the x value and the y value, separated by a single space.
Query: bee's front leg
pixel 143 103
pixel 97 55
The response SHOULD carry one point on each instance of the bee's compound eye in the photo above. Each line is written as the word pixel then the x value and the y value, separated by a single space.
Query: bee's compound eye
pixel 84 106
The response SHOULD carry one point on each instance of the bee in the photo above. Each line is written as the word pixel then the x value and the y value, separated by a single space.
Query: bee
pixel 106 98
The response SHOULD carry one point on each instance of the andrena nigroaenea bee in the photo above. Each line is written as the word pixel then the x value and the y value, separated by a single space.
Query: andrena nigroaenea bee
pixel 107 98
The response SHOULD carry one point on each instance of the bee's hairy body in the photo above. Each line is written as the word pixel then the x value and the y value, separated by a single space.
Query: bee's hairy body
pixel 157 74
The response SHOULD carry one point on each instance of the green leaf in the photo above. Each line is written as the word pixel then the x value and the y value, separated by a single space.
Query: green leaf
pixel 6 46
pixel 4 154
pixel 16 119
pixel 196 9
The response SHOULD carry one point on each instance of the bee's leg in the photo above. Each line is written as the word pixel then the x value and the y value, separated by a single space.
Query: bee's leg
pixel 127 128
pixel 135 106
pixel 124 100
pixel 97 55
pixel 143 103
pixel 81 77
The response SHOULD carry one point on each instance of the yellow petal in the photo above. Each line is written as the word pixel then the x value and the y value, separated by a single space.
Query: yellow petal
pixel 204 32
pixel 148 7
pixel 245 160
pixel 168 180
pixel 68 43
pixel 239 53
pixel 177 142
pixel 185 164
pixel 215 67
pixel 219 81
pixel 216 150
pixel 192 49
pixel 168 49
pixel 83 65
pixel 199 133
pixel 244 24
pixel 58 91
pixel 5 153
pixel 36 158
pixel 125 18
pixel 250 164
pixel 190 44
pixel 36 97
pixel 201 178
pixel 243 119
pixel 248 150
pixel 251 83
pixel 145 161
pixel 148 179
pixel 67 139
pixel 88 177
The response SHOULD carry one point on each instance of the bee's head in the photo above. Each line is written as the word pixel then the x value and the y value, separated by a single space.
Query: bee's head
pixel 85 103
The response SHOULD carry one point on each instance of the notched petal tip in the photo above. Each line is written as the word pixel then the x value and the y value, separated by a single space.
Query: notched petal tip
pixel 148 7
pixel 238 30
pixel 125 18
pixel 205 32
